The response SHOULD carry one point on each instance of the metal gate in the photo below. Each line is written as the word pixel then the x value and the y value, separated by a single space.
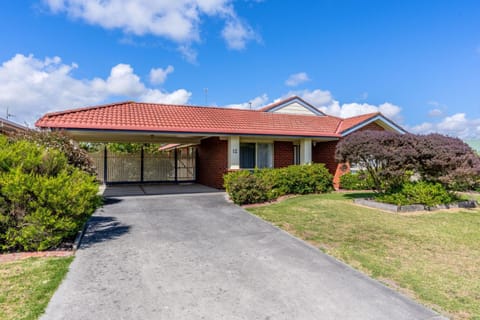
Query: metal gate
pixel 178 165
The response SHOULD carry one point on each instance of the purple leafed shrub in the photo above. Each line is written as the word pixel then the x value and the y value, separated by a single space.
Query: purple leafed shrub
pixel 391 158
pixel 447 160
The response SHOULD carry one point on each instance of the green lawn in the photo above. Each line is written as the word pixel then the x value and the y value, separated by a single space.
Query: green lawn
pixel 433 257
pixel 26 286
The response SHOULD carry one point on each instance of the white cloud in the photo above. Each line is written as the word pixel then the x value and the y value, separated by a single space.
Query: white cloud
pixel 159 75
pixel 297 79
pixel 176 20
pixel 188 53
pixel 254 103
pixel 237 33
pixel 316 97
pixel 425 127
pixel 435 113
pixel 438 109
pixel 30 87
pixel 458 125
pixel 323 100
pixel 455 122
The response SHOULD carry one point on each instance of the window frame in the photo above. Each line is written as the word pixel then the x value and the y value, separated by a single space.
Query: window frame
pixel 272 154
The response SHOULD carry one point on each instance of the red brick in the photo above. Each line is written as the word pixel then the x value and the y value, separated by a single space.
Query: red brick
pixel 212 162
pixel 282 154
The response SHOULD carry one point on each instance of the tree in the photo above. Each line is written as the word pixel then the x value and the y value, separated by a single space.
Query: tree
pixel 391 158
pixel 447 160
pixel 385 155
pixel 58 140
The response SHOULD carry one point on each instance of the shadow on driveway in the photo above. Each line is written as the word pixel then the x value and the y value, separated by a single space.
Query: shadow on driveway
pixel 101 229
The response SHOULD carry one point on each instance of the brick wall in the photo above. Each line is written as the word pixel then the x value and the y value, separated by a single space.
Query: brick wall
pixel 282 154
pixel 212 162
pixel 324 152
pixel 372 126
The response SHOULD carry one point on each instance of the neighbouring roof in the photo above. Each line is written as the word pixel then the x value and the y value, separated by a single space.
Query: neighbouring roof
pixel 167 118
pixel 9 126
pixel 277 106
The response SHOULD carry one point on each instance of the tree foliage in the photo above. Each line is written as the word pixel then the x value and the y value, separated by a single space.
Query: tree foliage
pixel 58 140
pixel 447 160
pixel 391 158
pixel 44 200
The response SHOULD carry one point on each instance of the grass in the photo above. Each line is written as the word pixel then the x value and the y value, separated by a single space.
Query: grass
pixel 432 257
pixel 26 286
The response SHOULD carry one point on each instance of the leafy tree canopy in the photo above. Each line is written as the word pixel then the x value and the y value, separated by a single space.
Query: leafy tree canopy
pixel 391 158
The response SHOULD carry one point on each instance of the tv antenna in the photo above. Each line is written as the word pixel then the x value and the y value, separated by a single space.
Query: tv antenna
pixel 206 95
pixel 250 105
pixel 9 115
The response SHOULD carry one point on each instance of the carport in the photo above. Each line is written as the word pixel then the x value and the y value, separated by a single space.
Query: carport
pixel 175 162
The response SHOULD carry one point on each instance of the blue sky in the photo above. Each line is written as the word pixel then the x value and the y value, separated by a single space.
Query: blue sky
pixel 418 62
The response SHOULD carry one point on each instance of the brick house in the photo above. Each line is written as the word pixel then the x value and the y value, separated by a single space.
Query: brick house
pixel 291 131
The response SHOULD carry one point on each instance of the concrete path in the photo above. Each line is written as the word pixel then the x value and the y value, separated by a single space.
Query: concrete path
pixel 199 257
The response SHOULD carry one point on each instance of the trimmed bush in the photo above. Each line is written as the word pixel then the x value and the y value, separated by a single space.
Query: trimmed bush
pixel 356 181
pixel 43 199
pixel 245 188
pixel 429 194
pixel 263 185
pixel 304 179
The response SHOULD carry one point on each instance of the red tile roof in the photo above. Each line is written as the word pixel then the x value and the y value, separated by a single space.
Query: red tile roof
pixel 167 118
pixel 349 123
pixel 189 119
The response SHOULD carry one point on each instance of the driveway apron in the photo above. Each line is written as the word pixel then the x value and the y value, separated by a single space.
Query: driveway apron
pixel 196 256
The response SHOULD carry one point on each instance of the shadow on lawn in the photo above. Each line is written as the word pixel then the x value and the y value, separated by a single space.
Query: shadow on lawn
pixel 357 195
pixel 102 229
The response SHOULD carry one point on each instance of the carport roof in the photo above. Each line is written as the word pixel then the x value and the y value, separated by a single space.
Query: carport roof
pixel 167 118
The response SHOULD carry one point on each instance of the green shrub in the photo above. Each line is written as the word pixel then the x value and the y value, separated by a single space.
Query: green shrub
pixel 304 179
pixel 429 194
pixel 43 199
pixel 356 181
pixel 267 184
pixel 245 187
pixel 58 140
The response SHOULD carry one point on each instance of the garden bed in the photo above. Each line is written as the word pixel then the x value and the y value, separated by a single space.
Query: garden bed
pixel 467 204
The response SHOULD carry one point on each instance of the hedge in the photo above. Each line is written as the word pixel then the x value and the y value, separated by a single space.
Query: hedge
pixel 426 193
pixel 44 200
pixel 356 181
pixel 245 187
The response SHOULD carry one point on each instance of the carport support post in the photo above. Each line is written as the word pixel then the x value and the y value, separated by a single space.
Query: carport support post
pixel 306 151
pixel 142 166
pixel 175 152
pixel 233 152
pixel 105 162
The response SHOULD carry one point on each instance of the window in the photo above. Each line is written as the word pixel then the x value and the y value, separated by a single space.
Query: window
pixel 247 155
pixel 296 154
pixel 256 155
pixel 264 155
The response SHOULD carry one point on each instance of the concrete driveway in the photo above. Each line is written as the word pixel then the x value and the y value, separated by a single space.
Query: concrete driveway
pixel 196 256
